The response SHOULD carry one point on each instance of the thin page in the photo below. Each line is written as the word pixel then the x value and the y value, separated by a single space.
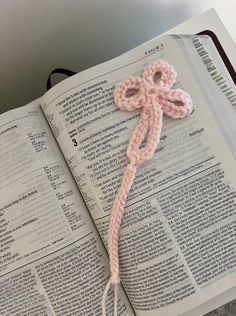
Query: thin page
pixel 208 20
pixel 201 51
pixel 214 80
pixel 52 261
pixel 181 208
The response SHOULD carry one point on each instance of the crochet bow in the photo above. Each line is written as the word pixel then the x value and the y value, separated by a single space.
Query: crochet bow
pixel 152 96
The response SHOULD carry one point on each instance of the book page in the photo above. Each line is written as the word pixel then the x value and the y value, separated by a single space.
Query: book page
pixel 52 261
pixel 177 241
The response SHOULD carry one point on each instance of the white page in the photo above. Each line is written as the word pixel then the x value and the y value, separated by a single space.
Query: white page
pixel 227 126
pixel 209 20
pixel 51 257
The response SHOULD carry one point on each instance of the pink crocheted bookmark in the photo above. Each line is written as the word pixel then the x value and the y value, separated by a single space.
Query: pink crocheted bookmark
pixel 152 96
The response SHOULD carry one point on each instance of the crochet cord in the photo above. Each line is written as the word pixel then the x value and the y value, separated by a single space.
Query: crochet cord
pixel 152 96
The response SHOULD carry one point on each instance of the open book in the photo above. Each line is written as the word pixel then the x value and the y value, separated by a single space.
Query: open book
pixel 61 162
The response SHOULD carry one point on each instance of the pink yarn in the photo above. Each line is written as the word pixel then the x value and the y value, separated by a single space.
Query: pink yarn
pixel 153 96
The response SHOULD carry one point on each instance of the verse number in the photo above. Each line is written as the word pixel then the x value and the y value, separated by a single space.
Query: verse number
pixel 74 141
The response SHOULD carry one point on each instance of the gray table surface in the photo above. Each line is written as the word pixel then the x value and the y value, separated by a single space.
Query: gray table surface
pixel 38 36
pixel 226 310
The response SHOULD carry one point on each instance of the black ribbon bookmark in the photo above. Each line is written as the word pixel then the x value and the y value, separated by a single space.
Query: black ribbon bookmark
pixel 62 71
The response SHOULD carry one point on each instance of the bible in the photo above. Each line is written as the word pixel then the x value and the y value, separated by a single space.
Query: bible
pixel 62 159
